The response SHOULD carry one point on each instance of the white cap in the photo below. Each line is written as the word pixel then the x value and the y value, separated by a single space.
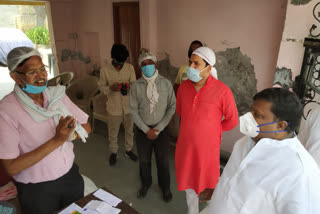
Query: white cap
pixel 17 55
pixel 208 55
pixel 146 55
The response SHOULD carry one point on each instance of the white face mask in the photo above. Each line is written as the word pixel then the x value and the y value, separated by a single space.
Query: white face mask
pixel 248 125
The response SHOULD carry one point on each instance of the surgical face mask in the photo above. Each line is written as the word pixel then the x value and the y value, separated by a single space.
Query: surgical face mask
pixel 250 127
pixel 148 70
pixel 194 74
pixel 32 89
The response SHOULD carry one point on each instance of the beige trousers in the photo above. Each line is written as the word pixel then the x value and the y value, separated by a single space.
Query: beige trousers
pixel 114 123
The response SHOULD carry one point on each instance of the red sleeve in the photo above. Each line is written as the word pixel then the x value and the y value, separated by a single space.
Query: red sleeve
pixel 230 111
pixel 178 102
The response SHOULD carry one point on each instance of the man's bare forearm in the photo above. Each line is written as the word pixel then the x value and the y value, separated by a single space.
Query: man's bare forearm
pixel 15 166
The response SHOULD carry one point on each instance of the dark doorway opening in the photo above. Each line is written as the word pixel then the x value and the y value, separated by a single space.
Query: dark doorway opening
pixel 126 21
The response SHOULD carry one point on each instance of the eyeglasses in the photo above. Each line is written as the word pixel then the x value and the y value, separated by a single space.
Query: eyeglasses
pixel 33 72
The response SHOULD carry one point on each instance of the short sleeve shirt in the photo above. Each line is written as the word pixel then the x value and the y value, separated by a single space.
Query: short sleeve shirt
pixel 20 134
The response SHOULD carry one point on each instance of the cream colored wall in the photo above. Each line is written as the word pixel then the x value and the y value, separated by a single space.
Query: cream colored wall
pixel 149 24
pixel 62 21
pixel 94 26
pixel 169 26
pixel 298 21
pixel 92 23
pixel 254 26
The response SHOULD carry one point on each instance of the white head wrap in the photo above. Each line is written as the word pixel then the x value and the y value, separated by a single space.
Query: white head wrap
pixel 145 56
pixel 208 55
pixel 17 55
pixel 152 91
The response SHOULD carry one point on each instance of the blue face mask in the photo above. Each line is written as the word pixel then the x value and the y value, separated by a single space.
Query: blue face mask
pixel 148 70
pixel 194 74
pixel 32 89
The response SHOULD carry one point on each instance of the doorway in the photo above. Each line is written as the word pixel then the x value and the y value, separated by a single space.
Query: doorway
pixel 126 22
pixel 25 23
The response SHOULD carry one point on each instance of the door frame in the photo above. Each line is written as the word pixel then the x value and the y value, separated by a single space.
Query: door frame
pixel 117 29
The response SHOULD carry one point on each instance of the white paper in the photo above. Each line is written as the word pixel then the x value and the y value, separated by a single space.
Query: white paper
pixel 107 209
pixel 100 206
pixel 107 197
pixel 89 211
pixel 94 204
pixel 71 208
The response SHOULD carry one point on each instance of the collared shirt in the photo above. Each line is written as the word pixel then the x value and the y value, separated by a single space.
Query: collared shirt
pixel 269 177
pixel 140 104
pixel 309 134
pixel 201 126
pixel 117 104
pixel 182 74
pixel 20 134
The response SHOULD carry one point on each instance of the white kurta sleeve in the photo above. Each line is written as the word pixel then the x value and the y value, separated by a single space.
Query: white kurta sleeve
pixel 302 197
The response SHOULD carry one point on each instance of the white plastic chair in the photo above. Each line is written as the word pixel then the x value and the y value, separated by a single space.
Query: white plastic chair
pixel 61 79
pixel 99 109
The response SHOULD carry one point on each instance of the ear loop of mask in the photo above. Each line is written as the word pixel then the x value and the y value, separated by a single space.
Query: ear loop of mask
pixel 270 124
pixel 203 70
pixel 26 82
pixel 22 79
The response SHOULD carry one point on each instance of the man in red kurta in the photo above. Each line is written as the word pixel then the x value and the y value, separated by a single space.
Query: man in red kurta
pixel 207 108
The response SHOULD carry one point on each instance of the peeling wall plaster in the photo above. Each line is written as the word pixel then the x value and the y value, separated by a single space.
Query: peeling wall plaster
pixel 299 20
pixel 299 2
pixel 236 70
pixel 166 69
pixel 67 54
pixel 283 77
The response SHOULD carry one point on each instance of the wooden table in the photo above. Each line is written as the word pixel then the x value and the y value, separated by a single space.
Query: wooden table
pixel 123 206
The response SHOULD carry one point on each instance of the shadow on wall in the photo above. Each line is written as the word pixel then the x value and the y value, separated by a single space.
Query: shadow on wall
pixel 67 54
pixel 166 69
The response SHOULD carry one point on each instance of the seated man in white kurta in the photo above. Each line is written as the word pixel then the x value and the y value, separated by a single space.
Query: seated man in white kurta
pixel 269 170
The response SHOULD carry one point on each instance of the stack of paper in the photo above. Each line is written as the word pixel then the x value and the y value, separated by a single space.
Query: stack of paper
pixel 100 207
pixel 107 197
pixel 106 206
pixel 71 209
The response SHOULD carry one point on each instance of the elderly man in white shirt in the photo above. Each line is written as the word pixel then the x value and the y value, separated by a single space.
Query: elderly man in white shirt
pixel 269 170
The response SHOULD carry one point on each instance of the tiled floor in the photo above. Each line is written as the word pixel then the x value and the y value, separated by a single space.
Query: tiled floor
pixel 123 178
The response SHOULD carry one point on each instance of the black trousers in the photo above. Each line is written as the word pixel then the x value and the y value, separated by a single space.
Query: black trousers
pixel 51 196
pixel 160 146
